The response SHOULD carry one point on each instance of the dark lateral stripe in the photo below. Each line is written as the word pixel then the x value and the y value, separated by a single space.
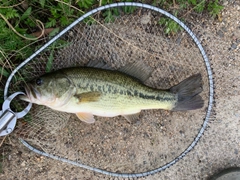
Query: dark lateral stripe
pixel 159 98
pixel 136 93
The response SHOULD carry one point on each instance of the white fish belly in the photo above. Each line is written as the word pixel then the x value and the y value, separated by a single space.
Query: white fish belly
pixel 110 107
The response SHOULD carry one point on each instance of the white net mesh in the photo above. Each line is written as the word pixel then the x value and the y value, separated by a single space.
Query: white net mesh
pixel 112 143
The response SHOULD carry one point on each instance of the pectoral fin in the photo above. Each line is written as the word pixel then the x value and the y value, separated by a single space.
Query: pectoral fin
pixel 132 118
pixel 86 117
pixel 88 96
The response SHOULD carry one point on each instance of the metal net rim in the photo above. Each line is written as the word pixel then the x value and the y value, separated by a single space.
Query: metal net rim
pixel 124 175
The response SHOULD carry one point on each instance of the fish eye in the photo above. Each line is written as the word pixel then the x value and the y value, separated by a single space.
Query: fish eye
pixel 39 81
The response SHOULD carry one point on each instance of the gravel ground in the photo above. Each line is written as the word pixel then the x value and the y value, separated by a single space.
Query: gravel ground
pixel 219 148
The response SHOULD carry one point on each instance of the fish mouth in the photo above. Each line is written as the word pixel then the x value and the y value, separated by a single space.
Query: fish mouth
pixel 31 93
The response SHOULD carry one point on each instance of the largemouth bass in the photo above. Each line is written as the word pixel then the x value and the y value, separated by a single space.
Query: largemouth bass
pixel 88 91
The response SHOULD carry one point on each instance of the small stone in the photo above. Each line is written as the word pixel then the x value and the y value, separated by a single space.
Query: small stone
pixel 220 33
pixel 236 151
pixel 9 157
pixel 234 46
pixel 146 19
pixel 182 133
pixel 224 29
pixel 23 164
pixel 225 3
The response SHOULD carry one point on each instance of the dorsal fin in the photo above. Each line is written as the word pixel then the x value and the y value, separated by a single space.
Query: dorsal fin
pixel 138 70
pixel 98 64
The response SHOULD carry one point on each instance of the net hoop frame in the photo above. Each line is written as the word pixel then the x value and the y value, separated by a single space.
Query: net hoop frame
pixel 98 170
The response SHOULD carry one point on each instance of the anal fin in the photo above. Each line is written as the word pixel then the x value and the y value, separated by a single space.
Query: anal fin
pixel 86 117
pixel 132 118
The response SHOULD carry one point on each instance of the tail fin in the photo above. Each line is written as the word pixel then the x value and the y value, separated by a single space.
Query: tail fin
pixel 188 93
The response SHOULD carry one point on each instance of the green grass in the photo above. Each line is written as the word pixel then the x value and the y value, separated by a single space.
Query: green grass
pixel 183 7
